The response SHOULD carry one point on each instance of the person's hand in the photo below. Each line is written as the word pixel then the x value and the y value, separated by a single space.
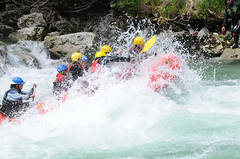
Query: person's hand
pixel 32 95
pixel 223 30
pixel 34 85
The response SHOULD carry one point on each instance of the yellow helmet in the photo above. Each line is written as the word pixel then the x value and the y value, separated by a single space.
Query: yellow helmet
pixel 76 56
pixel 106 48
pixel 139 41
pixel 100 54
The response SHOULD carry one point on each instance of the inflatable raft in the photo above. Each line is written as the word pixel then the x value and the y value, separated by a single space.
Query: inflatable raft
pixel 164 72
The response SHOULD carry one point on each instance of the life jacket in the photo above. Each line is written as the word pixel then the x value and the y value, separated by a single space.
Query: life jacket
pixel 95 65
pixel 10 108
pixel 134 51
pixel 75 70
pixel 160 78
pixel 60 77
pixel 6 102
pixel 74 64
pixel 60 84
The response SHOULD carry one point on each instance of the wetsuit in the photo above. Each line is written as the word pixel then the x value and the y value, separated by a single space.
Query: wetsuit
pixel 75 70
pixel 60 84
pixel 233 11
pixel 12 103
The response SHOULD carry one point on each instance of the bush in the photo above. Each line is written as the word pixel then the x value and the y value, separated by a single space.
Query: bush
pixel 216 6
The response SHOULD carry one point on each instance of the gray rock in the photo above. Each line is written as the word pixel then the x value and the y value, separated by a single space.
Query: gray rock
pixel 230 54
pixel 5 28
pixel 203 33
pixel 65 45
pixel 31 33
pixel 64 26
pixel 218 49
pixel 2 44
pixel 53 34
pixel 32 20
pixel 3 60
pixel 22 53
pixel 228 35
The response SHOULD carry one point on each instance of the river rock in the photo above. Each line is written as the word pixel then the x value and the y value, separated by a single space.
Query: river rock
pixel 203 33
pixel 5 28
pixel 65 45
pixel 218 49
pixel 2 44
pixel 64 27
pixel 3 59
pixel 22 53
pixel 31 33
pixel 230 54
pixel 32 20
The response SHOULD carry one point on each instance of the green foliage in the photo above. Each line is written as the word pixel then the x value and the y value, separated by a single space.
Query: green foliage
pixel 157 2
pixel 216 6
pixel 131 6
pixel 172 8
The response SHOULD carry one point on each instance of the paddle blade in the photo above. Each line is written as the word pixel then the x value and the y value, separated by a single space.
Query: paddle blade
pixel 149 44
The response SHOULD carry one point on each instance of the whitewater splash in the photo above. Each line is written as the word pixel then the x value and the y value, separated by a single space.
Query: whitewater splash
pixel 119 107
pixel 125 119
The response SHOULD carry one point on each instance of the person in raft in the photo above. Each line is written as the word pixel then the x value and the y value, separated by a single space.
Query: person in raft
pixel 232 11
pixel 138 46
pixel 61 83
pixel 103 58
pixel 13 104
pixel 75 70
pixel 84 63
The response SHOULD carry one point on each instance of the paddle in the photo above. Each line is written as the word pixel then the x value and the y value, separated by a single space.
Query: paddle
pixel 33 91
pixel 149 44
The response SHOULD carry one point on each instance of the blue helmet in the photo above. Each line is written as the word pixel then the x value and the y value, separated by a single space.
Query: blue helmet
pixel 84 58
pixel 62 67
pixel 18 80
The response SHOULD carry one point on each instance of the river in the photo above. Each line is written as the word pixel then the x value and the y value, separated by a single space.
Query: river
pixel 126 119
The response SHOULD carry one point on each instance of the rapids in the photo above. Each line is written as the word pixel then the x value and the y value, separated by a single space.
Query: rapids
pixel 198 118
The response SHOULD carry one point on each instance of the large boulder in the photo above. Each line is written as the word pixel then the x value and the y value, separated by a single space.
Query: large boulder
pixel 32 20
pixel 64 27
pixel 64 45
pixel 31 33
pixel 32 28
pixel 230 54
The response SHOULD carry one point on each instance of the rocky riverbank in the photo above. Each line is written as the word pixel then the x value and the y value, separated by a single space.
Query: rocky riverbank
pixel 62 35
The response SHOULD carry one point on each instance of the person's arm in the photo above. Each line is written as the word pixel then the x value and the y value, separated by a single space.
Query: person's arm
pixel 120 59
pixel 110 59
pixel 15 96
pixel 226 16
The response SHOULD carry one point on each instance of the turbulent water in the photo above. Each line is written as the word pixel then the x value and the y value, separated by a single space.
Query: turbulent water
pixel 197 118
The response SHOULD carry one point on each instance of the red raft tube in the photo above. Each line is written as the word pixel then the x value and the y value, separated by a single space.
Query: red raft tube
pixel 164 71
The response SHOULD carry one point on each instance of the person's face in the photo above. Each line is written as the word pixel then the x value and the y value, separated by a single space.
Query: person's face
pixel 140 47
pixel 229 2
pixel 20 86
